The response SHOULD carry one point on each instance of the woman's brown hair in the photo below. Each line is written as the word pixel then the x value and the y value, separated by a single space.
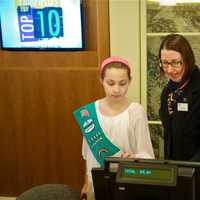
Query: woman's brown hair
pixel 179 43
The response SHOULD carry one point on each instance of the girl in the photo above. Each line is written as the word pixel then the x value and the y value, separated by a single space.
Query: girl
pixel 122 127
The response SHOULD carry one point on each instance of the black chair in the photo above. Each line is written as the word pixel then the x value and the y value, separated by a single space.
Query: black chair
pixel 50 192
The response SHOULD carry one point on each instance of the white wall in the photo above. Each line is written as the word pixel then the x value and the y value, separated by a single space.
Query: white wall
pixel 125 38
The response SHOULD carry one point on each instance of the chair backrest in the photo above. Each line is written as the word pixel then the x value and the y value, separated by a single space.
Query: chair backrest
pixel 50 192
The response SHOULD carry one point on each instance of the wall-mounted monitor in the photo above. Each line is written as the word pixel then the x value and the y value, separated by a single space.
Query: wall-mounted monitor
pixel 41 24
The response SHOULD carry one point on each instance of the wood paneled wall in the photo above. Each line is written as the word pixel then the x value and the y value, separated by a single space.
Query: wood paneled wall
pixel 40 141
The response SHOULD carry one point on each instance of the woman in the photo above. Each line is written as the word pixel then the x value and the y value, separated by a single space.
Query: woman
pixel 180 99
pixel 113 125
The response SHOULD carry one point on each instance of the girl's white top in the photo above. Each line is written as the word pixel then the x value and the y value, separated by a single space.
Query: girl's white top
pixel 128 131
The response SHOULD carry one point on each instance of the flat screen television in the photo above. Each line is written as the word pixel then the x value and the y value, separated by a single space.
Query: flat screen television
pixel 41 24
pixel 147 180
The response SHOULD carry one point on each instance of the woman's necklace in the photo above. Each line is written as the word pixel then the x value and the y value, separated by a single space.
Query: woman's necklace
pixel 173 97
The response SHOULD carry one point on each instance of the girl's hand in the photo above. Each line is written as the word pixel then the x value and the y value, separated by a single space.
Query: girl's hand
pixel 127 155
pixel 84 189
pixel 83 197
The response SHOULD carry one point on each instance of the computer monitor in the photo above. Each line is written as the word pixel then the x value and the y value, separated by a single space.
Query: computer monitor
pixel 127 179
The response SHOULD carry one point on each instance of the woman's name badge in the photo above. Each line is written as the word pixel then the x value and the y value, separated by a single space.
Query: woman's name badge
pixel 182 107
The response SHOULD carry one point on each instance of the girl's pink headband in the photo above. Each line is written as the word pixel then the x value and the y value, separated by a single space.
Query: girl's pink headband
pixel 114 59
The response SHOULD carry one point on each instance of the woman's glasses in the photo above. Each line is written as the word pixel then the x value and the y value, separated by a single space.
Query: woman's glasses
pixel 175 64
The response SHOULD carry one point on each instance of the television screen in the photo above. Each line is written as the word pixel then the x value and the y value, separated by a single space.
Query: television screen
pixel 41 24
pixel 126 179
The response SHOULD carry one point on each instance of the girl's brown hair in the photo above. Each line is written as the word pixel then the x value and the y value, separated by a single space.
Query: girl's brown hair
pixel 117 65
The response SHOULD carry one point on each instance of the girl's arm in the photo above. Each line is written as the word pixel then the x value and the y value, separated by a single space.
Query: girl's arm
pixel 141 135
pixel 84 189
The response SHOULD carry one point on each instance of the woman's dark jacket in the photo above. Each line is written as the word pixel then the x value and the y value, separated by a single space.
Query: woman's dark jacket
pixel 182 128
